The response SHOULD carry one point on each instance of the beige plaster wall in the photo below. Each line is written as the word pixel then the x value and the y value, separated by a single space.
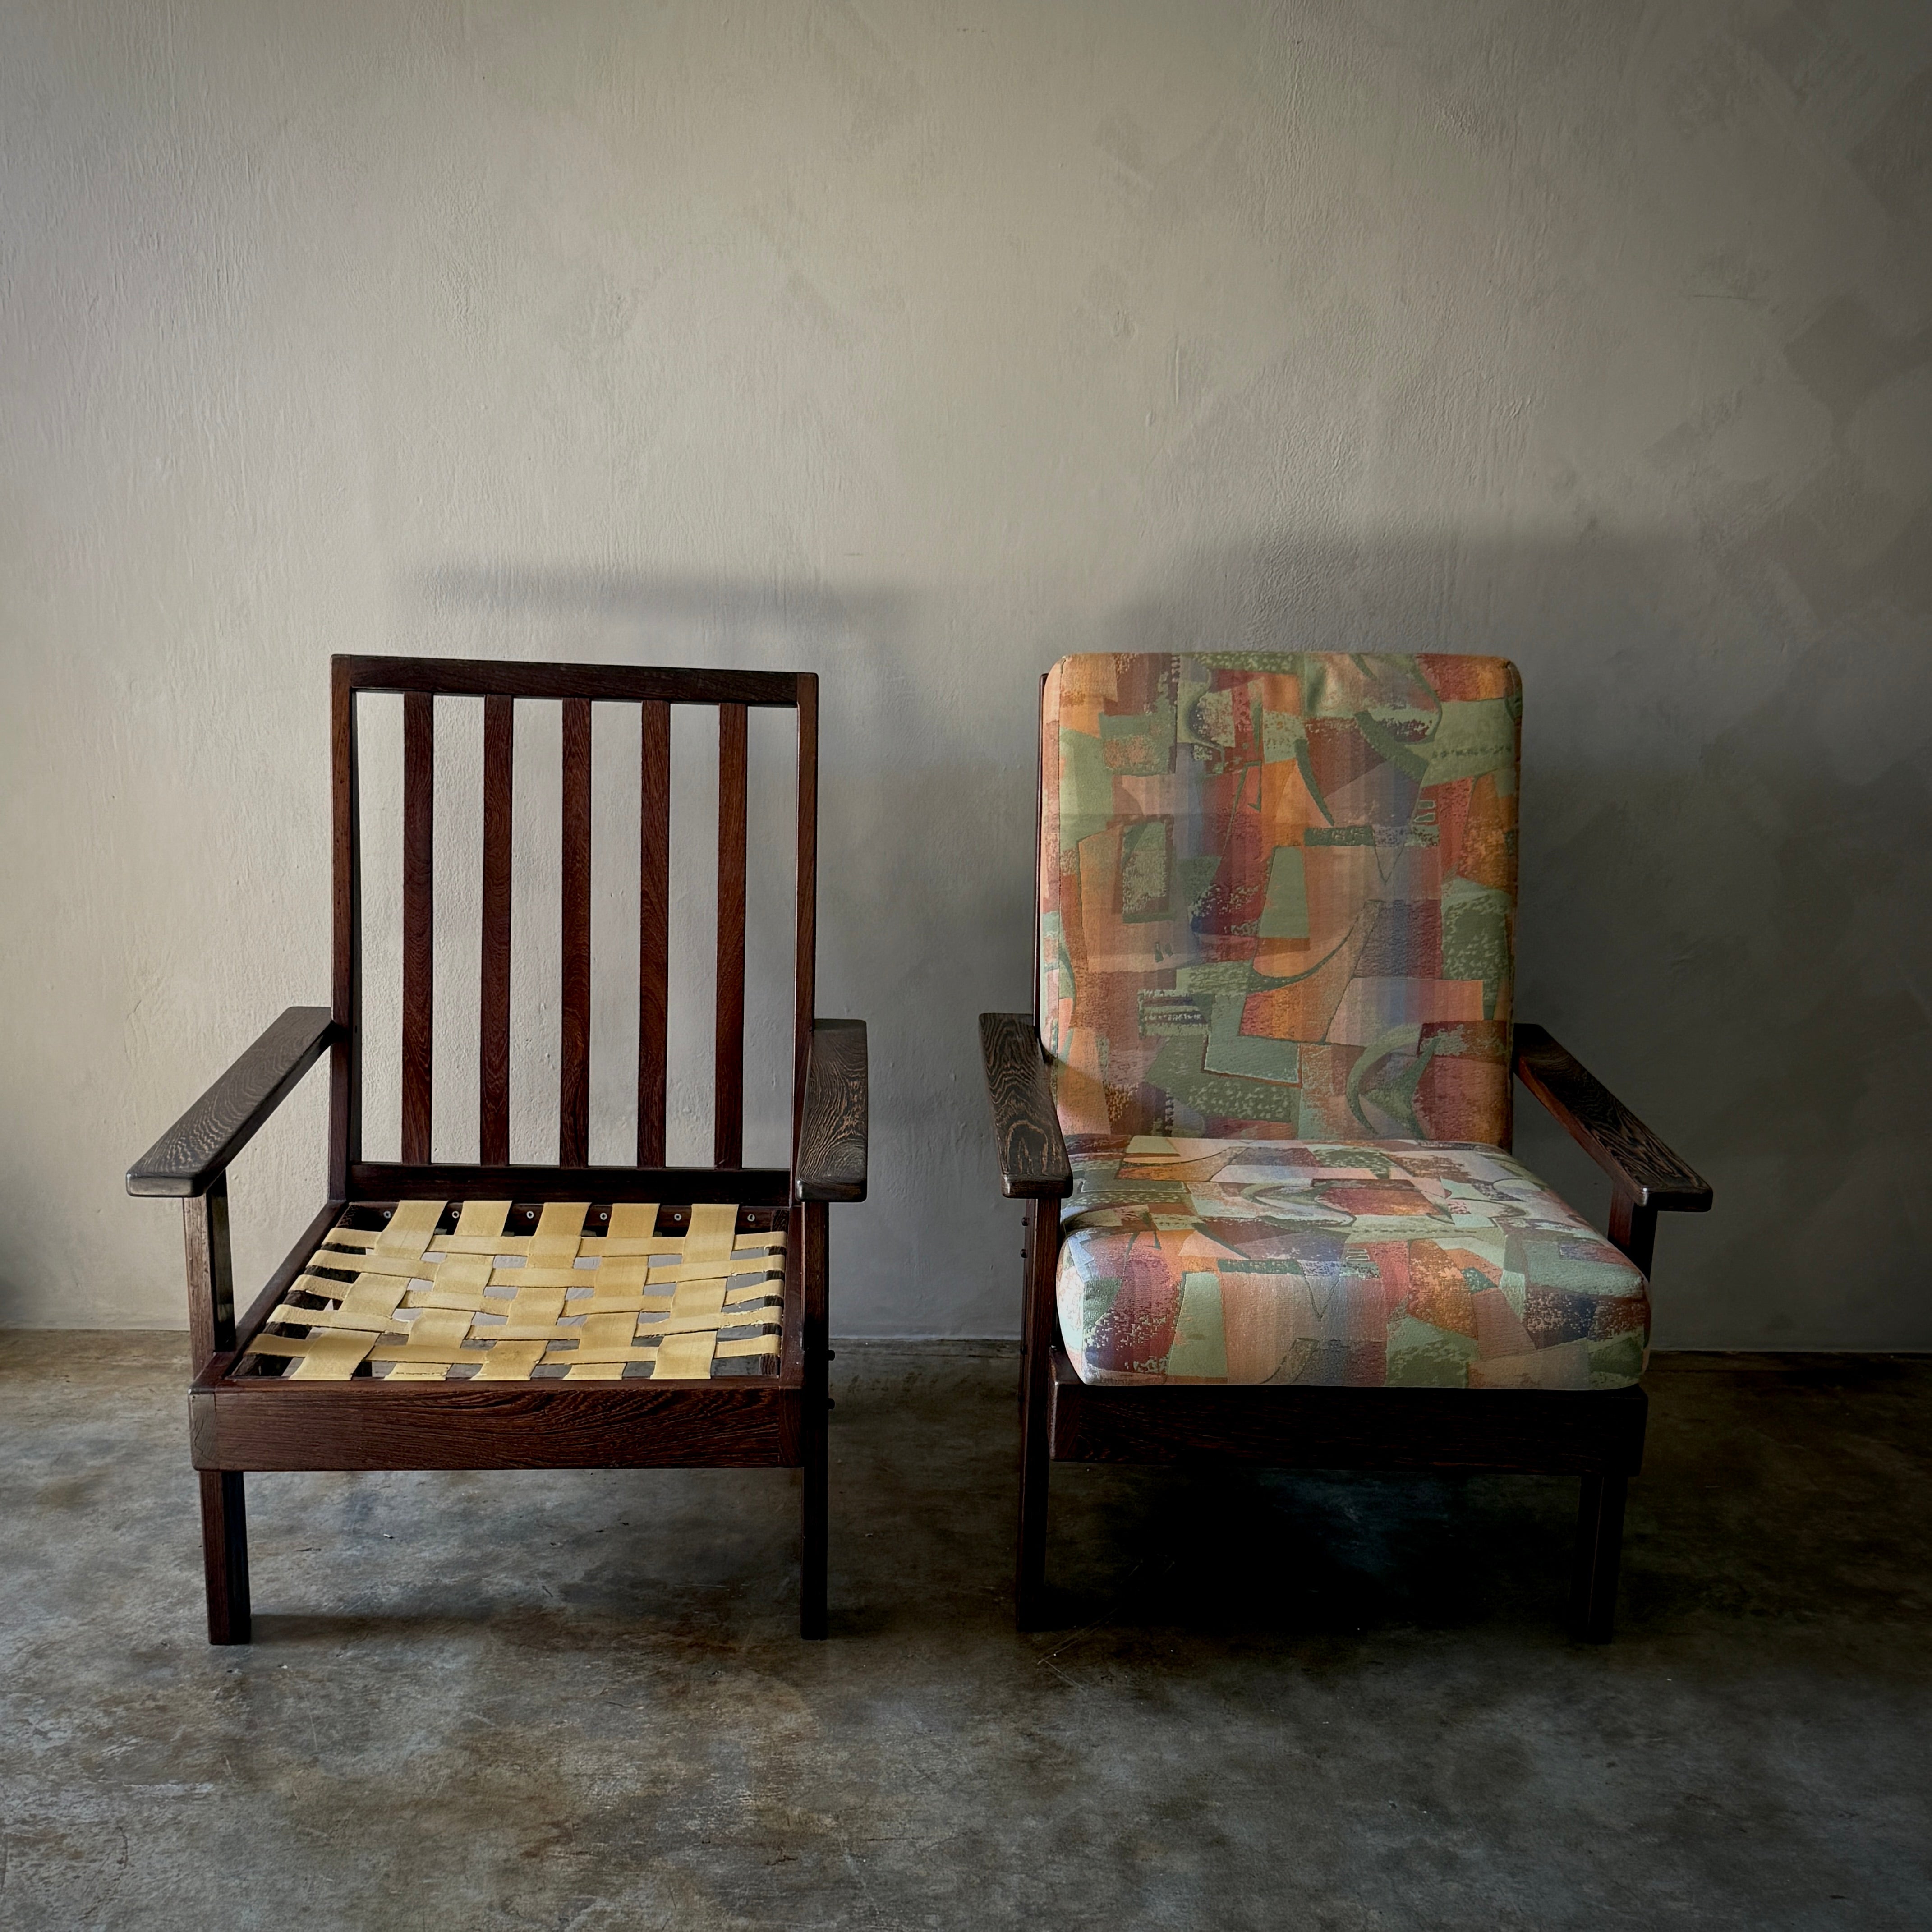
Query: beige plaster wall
pixel 917 343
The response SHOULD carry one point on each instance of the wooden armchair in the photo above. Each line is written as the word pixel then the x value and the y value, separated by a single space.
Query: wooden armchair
pixel 1260 1113
pixel 484 1316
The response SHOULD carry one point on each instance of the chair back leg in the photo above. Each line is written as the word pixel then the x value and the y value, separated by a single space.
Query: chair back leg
pixel 1600 1535
pixel 224 1552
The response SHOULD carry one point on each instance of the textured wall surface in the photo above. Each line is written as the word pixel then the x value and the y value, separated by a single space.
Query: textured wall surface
pixel 917 344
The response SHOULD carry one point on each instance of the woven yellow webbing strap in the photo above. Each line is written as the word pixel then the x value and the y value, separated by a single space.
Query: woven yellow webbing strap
pixel 428 1307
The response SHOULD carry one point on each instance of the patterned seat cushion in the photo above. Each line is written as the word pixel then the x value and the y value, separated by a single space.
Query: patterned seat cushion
pixel 1394 1263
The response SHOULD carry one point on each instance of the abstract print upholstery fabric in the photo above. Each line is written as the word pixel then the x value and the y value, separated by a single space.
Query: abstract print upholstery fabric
pixel 1278 895
pixel 1398 1265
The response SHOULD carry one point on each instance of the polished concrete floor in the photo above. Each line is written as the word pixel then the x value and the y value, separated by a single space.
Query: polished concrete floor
pixel 1277 1701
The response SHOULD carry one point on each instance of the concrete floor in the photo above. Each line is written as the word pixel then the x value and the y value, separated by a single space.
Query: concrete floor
pixel 577 1701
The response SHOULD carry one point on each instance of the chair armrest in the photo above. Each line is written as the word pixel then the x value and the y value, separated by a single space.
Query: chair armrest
pixel 1639 1163
pixel 832 1127
pixel 195 1152
pixel 1033 1155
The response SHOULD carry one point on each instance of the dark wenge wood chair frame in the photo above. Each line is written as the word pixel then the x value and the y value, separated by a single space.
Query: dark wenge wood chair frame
pixel 238 1422
pixel 1598 1437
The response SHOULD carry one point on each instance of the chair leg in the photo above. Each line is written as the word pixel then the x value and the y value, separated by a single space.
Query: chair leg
pixel 224 1552
pixel 1030 1581
pixel 1599 1534
pixel 815 1445
pixel 811 1580
pixel 1035 1392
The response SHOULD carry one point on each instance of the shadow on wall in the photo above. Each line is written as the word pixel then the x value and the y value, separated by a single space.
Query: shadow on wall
pixel 1726 876
pixel 919 917
pixel 1726 869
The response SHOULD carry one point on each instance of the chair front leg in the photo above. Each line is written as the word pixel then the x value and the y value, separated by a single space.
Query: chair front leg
pixel 1036 1334
pixel 1599 1508
pixel 210 1321
pixel 1599 1534
pixel 224 1556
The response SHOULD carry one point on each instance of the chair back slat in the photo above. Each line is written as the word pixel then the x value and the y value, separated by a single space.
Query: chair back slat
pixel 728 1084
pixel 345 1058
pixel 575 688
pixel 804 944
pixel 493 1058
pixel 653 928
pixel 574 1098
pixel 419 919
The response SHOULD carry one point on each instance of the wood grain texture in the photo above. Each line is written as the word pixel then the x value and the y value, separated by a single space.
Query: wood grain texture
pixel 1038 831
pixel 211 1274
pixel 813 1240
pixel 483 677
pixel 188 1159
pixel 804 901
pixel 418 919
pixel 1636 1159
pixel 573 1056
pixel 832 1141
pixel 1550 1432
pixel 493 1058
pixel 728 1082
pixel 345 1070
pixel 269 1424
pixel 224 1555
pixel 1026 1128
pixel 388 1181
pixel 653 929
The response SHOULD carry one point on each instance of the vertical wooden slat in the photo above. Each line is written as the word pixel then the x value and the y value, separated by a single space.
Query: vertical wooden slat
pixel 418 914
pixel 210 1274
pixel 728 1088
pixel 804 944
pixel 493 1057
pixel 653 929
pixel 574 1102
pixel 1039 832
pixel 345 1059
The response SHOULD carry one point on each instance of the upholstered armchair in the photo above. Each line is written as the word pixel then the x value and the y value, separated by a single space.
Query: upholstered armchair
pixel 1262 1111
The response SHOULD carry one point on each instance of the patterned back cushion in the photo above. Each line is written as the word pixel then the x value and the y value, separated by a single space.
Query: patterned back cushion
pixel 1278 895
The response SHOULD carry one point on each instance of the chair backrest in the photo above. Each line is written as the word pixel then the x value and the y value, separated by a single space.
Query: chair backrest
pixel 1277 895
pixel 650 692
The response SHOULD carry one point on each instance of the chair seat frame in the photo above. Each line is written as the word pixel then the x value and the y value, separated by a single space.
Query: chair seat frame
pixel 243 1422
